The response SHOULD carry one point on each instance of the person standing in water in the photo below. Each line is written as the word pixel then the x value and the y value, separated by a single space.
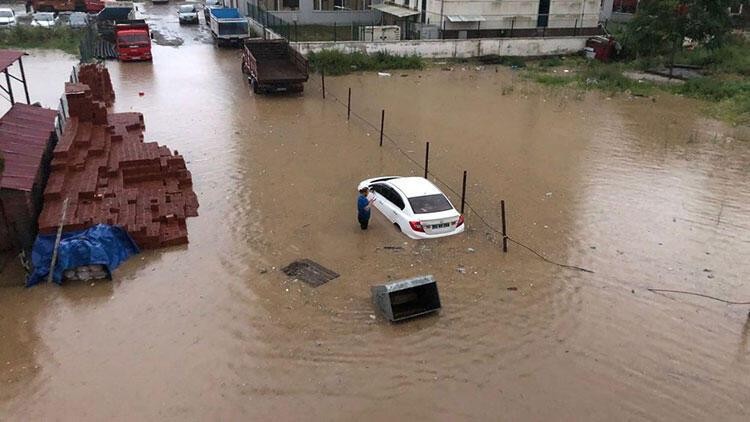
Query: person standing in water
pixel 363 208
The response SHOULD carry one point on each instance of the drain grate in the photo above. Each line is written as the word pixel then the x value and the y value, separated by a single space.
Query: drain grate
pixel 310 272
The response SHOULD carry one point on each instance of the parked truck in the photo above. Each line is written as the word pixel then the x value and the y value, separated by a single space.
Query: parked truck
pixel 131 37
pixel 57 5
pixel 274 66
pixel 94 6
pixel 228 26
pixel 133 41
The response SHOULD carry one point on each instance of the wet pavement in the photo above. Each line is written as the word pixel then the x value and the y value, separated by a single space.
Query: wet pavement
pixel 644 193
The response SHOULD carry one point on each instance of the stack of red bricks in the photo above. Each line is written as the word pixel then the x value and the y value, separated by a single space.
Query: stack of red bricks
pixel 111 176
pixel 96 76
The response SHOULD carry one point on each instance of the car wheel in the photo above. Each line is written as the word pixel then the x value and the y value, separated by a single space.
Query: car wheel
pixel 398 228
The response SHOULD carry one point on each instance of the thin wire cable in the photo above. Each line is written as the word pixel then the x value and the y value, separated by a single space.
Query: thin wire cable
pixel 455 192
pixel 728 302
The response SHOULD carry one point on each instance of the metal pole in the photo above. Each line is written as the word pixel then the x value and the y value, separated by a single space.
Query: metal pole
pixel 349 106
pixel 296 32
pixel 10 87
pixel 23 78
pixel 502 216
pixel 57 240
pixel 463 193
pixel 323 81
pixel 426 159
pixel 382 122
pixel 512 25
pixel 62 107
pixel 334 32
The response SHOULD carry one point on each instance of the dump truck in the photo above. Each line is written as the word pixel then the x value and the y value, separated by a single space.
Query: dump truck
pixel 274 66
pixel 58 5
pixel 94 6
pixel 133 41
pixel 131 37
pixel 228 26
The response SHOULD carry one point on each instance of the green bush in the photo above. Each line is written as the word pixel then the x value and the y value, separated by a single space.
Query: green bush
pixel 713 89
pixel 732 57
pixel 334 62
pixel 553 61
pixel 551 80
pixel 24 36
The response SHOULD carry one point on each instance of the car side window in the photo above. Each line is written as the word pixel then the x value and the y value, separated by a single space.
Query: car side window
pixel 390 194
pixel 397 200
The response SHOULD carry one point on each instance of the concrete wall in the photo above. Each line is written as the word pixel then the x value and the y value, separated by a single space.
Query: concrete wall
pixel 456 48
pixel 306 14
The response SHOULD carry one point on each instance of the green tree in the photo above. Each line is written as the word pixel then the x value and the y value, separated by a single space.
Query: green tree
pixel 660 26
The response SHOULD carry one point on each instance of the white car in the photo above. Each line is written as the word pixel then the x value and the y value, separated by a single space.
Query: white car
pixel 415 206
pixel 7 17
pixel 187 13
pixel 44 19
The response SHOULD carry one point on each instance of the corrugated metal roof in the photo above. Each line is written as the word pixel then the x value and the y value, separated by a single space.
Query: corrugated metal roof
pixel 398 11
pixel 466 18
pixel 8 57
pixel 25 132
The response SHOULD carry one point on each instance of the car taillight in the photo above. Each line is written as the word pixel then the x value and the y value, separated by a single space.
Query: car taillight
pixel 416 226
pixel 460 220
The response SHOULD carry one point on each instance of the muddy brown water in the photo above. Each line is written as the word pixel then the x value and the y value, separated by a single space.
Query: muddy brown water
pixel 644 193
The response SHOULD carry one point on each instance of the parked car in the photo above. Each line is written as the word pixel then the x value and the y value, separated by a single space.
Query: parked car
pixel 78 20
pixel 7 17
pixel 415 206
pixel 44 19
pixel 187 13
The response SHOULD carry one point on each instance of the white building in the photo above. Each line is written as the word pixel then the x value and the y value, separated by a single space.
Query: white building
pixel 446 18
pixel 483 17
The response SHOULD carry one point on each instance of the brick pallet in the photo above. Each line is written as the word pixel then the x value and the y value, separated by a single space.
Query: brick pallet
pixel 111 176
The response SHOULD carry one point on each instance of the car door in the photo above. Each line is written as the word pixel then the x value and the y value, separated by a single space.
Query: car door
pixel 378 190
pixel 386 200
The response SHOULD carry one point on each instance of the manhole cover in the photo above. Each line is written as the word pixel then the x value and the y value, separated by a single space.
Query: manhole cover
pixel 310 272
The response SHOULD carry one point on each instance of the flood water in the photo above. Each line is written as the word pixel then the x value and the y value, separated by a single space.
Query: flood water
pixel 647 194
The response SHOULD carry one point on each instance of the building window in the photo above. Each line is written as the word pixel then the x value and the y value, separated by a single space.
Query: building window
pixel 342 5
pixel 280 4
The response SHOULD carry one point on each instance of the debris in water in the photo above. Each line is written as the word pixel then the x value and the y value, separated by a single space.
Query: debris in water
pixel 512 289
pixel 461 270
pixel 310 272
pixel 384 74
pixel 470 250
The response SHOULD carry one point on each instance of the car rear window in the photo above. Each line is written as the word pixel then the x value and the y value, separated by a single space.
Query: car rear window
pixel 429 203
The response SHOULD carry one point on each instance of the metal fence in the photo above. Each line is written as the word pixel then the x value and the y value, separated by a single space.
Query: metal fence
pixel 490 26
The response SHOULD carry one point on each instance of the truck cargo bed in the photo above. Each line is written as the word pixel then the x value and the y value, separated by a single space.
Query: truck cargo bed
pixel 273 65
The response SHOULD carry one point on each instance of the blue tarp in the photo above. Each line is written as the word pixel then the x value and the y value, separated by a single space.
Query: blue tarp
pixel 102 245
pixel 226 13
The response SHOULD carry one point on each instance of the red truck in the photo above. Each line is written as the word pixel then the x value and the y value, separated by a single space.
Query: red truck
pixel 94 6
pixel 133 41
pixel 56 5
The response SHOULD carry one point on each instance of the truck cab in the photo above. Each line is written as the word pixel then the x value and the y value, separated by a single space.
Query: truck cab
pixel 133 42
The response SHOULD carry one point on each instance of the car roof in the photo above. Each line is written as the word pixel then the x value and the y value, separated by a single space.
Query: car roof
pixel 414 186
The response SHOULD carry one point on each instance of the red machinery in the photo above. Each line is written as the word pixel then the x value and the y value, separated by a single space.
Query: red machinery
pixel 602 48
